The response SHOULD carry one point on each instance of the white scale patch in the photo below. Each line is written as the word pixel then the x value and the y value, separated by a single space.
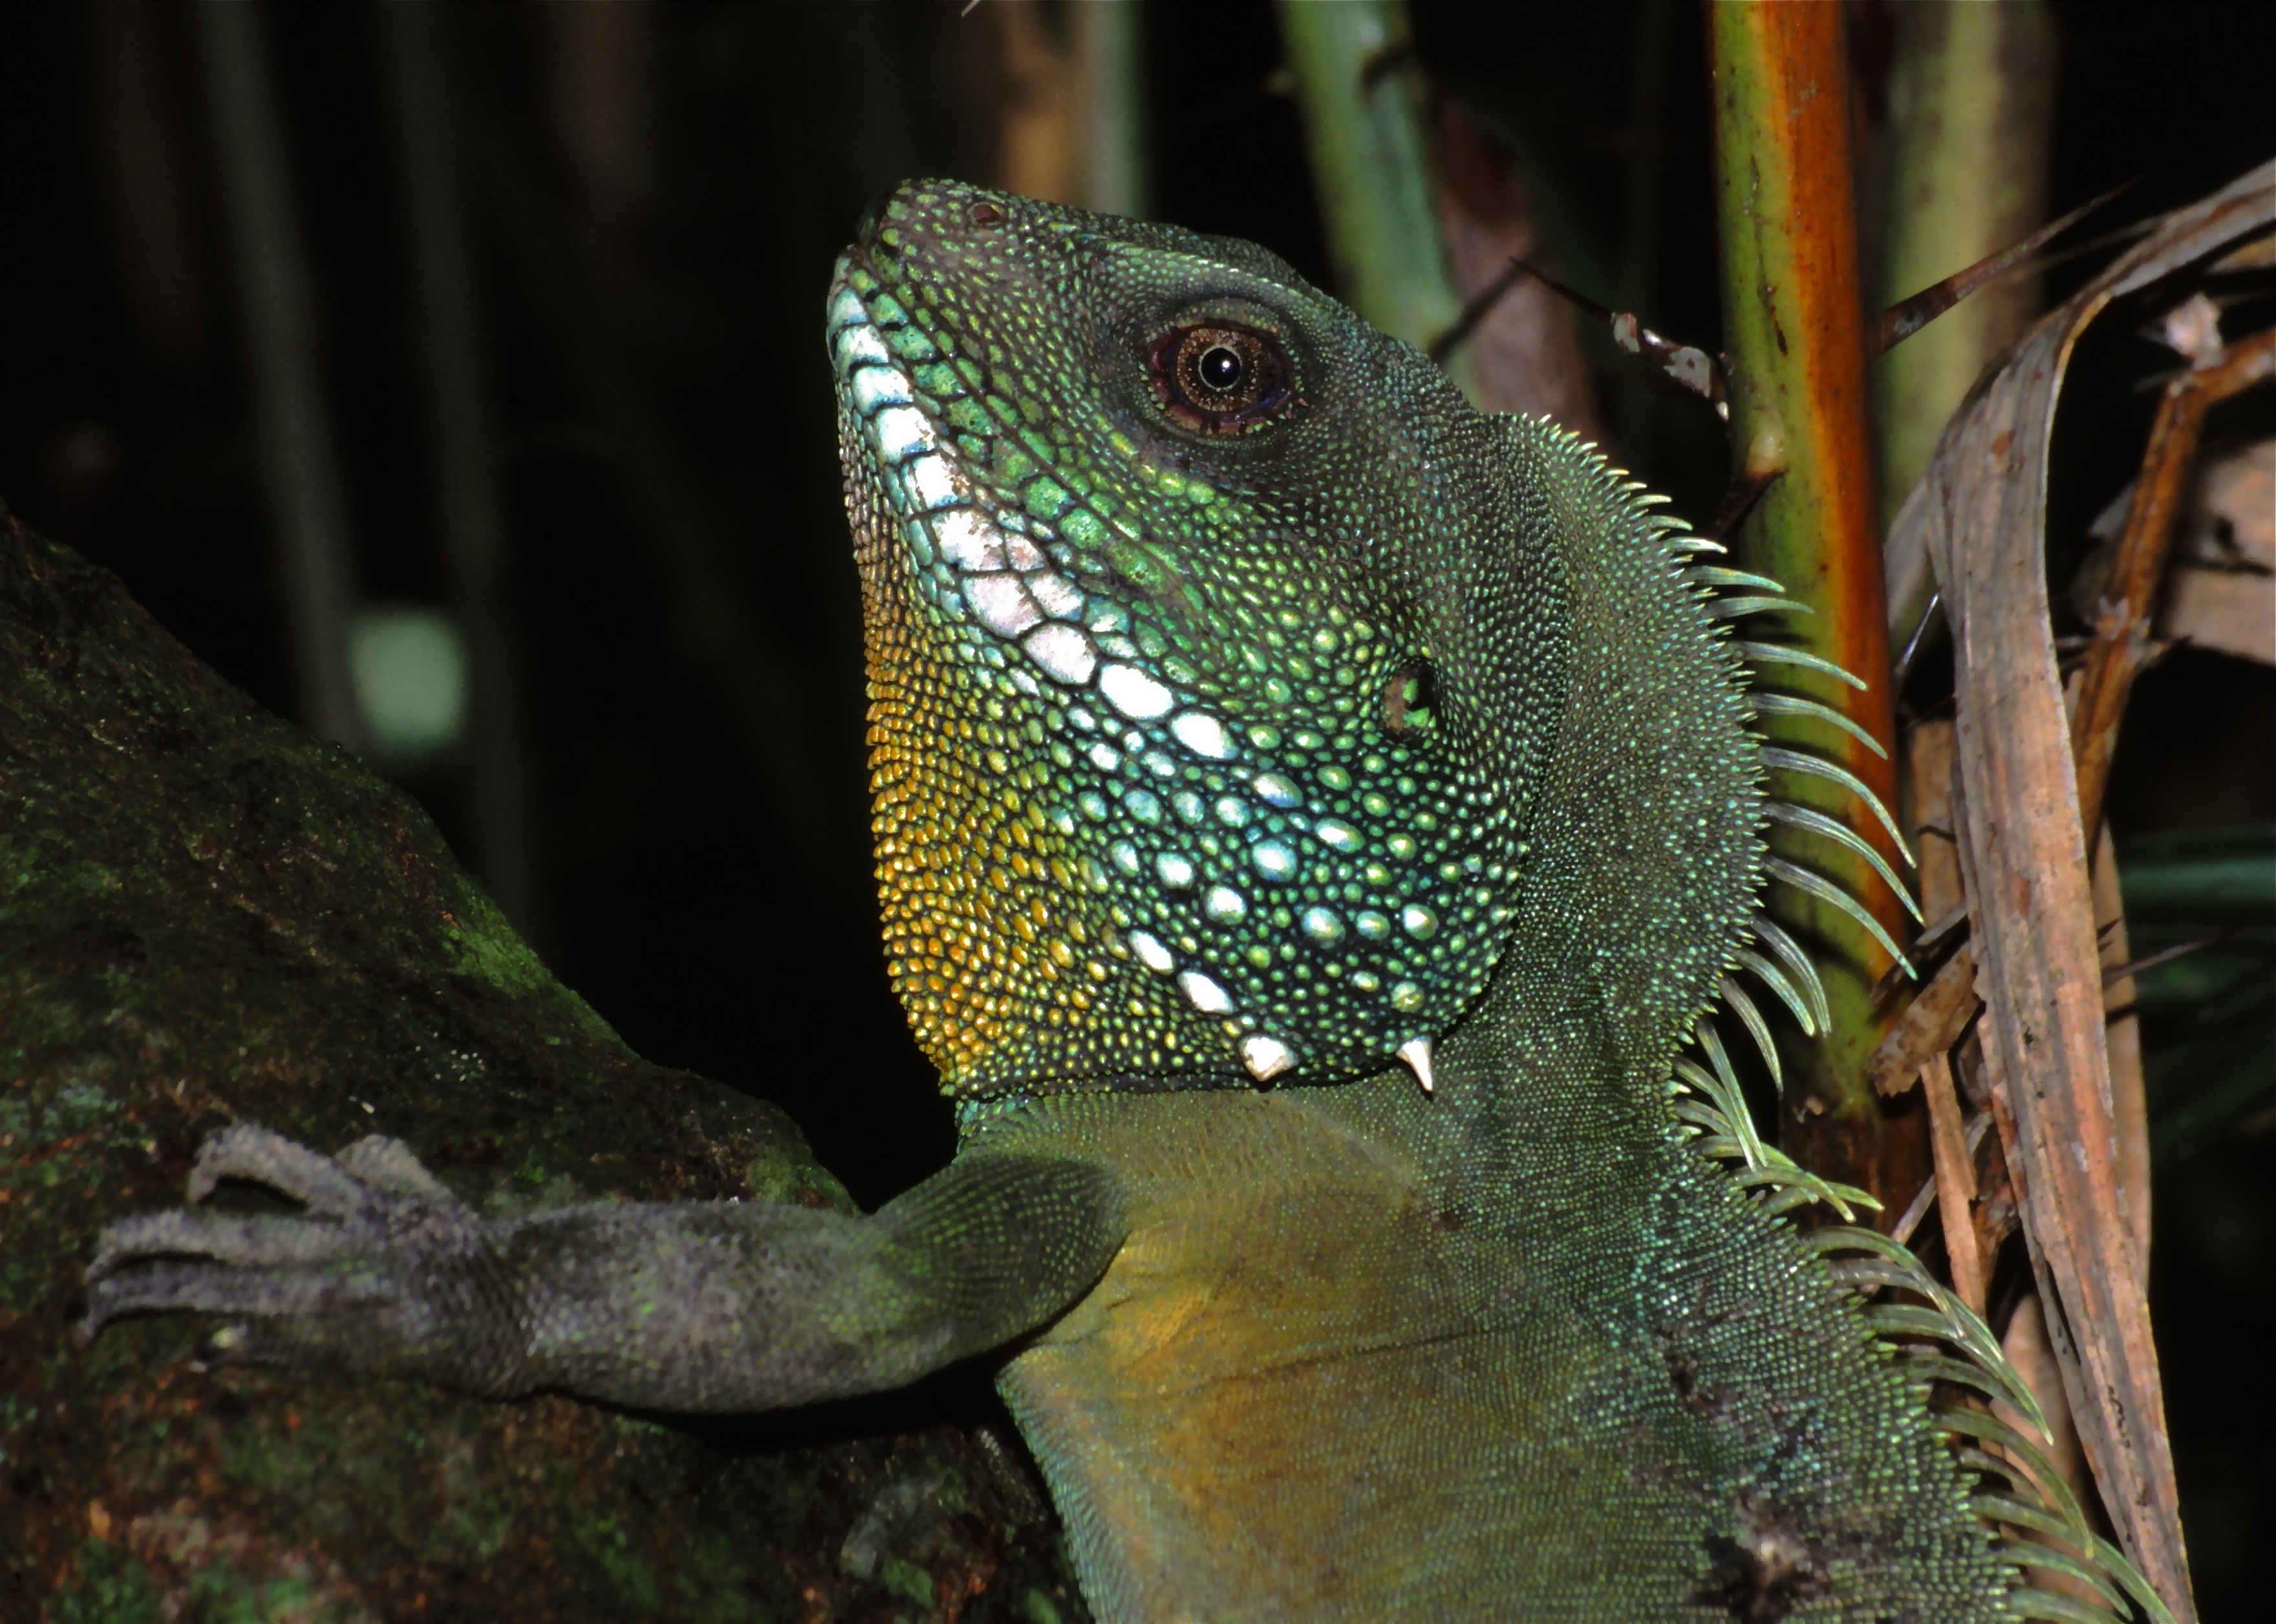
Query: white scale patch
pixel 1340 835
pixel 1266 1057
pixel 876 388
pixel 1002 603
pixel 860 346
pixel 1273 859
pixel 932 484
pixel 902 432
pixel 1066 655
pixel 1205 994
pixel 1057 595
pixel 1202 733
pixel 1151 953
pixel 1134 693
pixel 968 541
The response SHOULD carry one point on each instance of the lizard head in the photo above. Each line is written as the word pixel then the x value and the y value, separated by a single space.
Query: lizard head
pixel 1203 726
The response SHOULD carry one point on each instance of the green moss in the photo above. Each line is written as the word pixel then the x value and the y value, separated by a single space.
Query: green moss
pixel 224 1595
pixel 610 1546
pixel 107 1586
pixel 907 1581
pixel 484 947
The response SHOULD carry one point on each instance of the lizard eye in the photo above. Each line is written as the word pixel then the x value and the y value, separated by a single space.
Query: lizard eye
pixel 1220 380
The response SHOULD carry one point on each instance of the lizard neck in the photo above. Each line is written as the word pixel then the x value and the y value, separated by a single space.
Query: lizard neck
pixel 1646 860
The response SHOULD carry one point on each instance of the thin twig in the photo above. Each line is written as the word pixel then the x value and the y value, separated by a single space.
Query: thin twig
pixel 2121 629
pixel 1905 317
pixel 1955 1178
pixel 1480 305
pixel 2112 976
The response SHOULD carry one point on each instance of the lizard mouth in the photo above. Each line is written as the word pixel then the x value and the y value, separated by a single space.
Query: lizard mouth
pixel 982 559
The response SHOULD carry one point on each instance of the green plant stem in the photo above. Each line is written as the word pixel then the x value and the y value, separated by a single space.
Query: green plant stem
pixel 1793 327
pixel 293 415
pixel 1108 47
pixel 1971 119
pixel 1370 167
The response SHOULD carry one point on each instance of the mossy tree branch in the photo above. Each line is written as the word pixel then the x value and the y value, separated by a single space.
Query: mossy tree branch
pixel 208 916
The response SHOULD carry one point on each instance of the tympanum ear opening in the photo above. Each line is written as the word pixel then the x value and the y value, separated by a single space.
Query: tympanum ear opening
pixel 1410 700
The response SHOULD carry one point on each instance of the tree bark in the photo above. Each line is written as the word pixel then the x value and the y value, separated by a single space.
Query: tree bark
pixel 208 916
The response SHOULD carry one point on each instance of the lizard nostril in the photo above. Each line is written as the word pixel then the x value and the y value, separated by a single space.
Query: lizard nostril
pixel 873 218
pixel 984 214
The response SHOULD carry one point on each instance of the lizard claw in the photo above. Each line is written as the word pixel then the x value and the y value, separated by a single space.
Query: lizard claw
pixel 203 1288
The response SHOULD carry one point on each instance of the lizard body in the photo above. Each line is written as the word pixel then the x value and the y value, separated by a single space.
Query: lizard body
pixel 1244 709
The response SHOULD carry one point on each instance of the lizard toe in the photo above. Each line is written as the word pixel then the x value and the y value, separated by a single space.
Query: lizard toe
pixel 387 1165
pixel 225 1240
pixel 180 1287
pixel 248 1151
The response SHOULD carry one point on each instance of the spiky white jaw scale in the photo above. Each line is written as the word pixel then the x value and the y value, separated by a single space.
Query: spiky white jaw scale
pixel 1416 1052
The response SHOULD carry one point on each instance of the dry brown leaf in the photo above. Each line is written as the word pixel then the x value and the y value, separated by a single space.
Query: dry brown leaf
pixel 1978 520
pixel 2122 1033
pixel 1928 768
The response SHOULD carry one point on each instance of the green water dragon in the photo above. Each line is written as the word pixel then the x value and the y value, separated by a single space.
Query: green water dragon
pixel 1319 826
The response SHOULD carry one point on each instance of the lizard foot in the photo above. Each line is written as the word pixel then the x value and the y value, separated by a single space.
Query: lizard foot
pixel 385 1272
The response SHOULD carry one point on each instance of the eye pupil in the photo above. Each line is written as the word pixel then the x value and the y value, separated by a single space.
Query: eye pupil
pixel 1222 368
pixel 1219 378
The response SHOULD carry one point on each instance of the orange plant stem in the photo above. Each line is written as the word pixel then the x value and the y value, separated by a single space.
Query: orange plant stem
pixel 1794 322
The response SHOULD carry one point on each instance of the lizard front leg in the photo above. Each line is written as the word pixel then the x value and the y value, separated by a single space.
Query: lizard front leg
pixel 689 1306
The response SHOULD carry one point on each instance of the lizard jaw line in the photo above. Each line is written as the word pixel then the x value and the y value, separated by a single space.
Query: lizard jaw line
pixel 982 560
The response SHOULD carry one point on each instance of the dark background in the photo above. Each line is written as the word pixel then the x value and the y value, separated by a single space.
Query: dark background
pixel 719 926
